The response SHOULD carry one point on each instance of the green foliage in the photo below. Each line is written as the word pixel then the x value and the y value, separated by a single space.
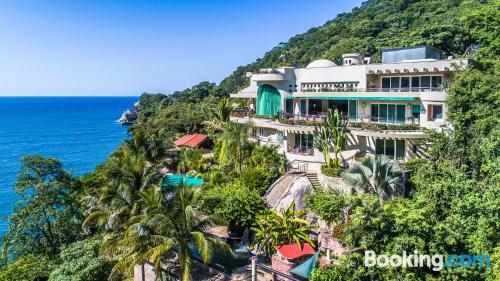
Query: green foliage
pixel 80 262
pixel 331 133
pixel 380 126
pixel 278 229
pixel 235 203
pixel 45 218
pixel 264 166
pixel 328 205
pixel 334 171
pixel 234 146
pixel 27 268
pixel 377 175
pixel 162 228
pixel 191 161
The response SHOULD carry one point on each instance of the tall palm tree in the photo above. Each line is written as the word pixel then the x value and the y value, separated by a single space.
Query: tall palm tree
pixel 128 173
pixel 233 142
pixel 220 115
pixel 376 174
pixel 170 228
pixel 284 228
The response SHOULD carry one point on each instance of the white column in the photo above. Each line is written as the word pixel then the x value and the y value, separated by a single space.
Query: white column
pixel 254 268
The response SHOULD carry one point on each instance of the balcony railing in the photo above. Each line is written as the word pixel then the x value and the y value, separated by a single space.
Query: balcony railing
pixel 386 120
pixel 243 112
pixel 301 150
pixel 374 90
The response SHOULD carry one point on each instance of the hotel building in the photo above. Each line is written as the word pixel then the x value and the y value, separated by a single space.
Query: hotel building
pixel 387 104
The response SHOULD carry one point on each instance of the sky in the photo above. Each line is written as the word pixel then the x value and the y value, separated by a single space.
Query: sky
pixel 111 47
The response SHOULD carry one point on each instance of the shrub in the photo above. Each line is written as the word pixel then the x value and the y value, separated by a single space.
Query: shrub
pixel 80 262
pixel 328 205
pixel 331 171
pixel 236 204
pixel 29 267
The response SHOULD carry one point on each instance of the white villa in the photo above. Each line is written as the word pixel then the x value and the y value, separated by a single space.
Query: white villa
pixel 387 103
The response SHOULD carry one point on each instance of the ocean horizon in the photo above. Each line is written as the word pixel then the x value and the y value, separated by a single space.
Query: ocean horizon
pixel 81 131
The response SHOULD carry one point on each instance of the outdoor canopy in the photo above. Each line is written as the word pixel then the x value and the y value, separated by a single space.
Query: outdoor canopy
pixel 305 269
pixel 268 100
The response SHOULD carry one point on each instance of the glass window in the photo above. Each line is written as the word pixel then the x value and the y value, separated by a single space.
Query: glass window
pixel 437 112
pixel 289 106
pixel 382 112
pixel 389 148
pixel 400 149
pixel 400 113
pixel 386 83
pixel 303 107
pixel 379 146
pixel 405 83
pixel 425 82
pixel 394 82
pixel 375 112
pixel 391 113
pixel 415 83
pixel 310 141
pixel 436 81
pixel 353 110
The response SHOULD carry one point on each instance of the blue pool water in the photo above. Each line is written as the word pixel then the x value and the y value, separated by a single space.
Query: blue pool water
pixel 177 180
pixel 80 131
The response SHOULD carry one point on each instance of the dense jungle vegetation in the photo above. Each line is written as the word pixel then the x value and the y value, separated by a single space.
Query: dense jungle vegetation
pixel 101 224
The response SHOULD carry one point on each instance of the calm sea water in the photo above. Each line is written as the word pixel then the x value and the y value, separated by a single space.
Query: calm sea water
pixel 80 131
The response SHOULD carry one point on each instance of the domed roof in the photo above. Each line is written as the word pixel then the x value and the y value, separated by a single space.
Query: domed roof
pixel 321 63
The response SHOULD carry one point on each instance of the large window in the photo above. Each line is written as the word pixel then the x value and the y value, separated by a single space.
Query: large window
pixel 394 149
pixel 303 143
pixel 435 112
pixel 414 83
pixel 389 113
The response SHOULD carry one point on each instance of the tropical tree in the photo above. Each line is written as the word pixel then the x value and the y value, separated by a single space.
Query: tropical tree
pixel 376 174
pixel 128 173
pixel 173 227
pixel 331 133
pixel 220 115
pixel 191 161
pixel 233 142
pixel 43 219
pixel 284 228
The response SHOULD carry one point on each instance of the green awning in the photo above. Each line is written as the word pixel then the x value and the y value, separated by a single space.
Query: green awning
pixel 352 98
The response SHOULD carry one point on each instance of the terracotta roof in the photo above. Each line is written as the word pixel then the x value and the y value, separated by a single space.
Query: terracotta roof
pixel 190 140
pixel 293 251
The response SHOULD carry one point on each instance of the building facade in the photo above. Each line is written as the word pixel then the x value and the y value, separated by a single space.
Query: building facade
pixel 387 104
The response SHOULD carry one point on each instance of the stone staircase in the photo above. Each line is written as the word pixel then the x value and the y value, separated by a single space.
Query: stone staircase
pixel 313 178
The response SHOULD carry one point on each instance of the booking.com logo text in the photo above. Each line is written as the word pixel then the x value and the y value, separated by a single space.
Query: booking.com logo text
pixel 434 262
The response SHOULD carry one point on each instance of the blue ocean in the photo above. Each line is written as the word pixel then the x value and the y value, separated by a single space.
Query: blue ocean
pixel 80 131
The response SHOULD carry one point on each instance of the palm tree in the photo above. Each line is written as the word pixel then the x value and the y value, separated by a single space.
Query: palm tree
pixel 284 228
pixel 331 133
pixel 169 228
pixel 220 115
pixel 128 173
pixel 233 142
pixel 191 161
pixel 376 174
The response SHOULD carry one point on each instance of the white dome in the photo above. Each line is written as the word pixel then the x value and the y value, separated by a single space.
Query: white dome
pixel 321 63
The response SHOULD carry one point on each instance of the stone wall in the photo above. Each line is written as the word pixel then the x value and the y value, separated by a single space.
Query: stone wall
pixel 335 183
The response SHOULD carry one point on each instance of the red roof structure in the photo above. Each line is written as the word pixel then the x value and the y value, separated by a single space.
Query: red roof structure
pixel 191 140
pixel 293 251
